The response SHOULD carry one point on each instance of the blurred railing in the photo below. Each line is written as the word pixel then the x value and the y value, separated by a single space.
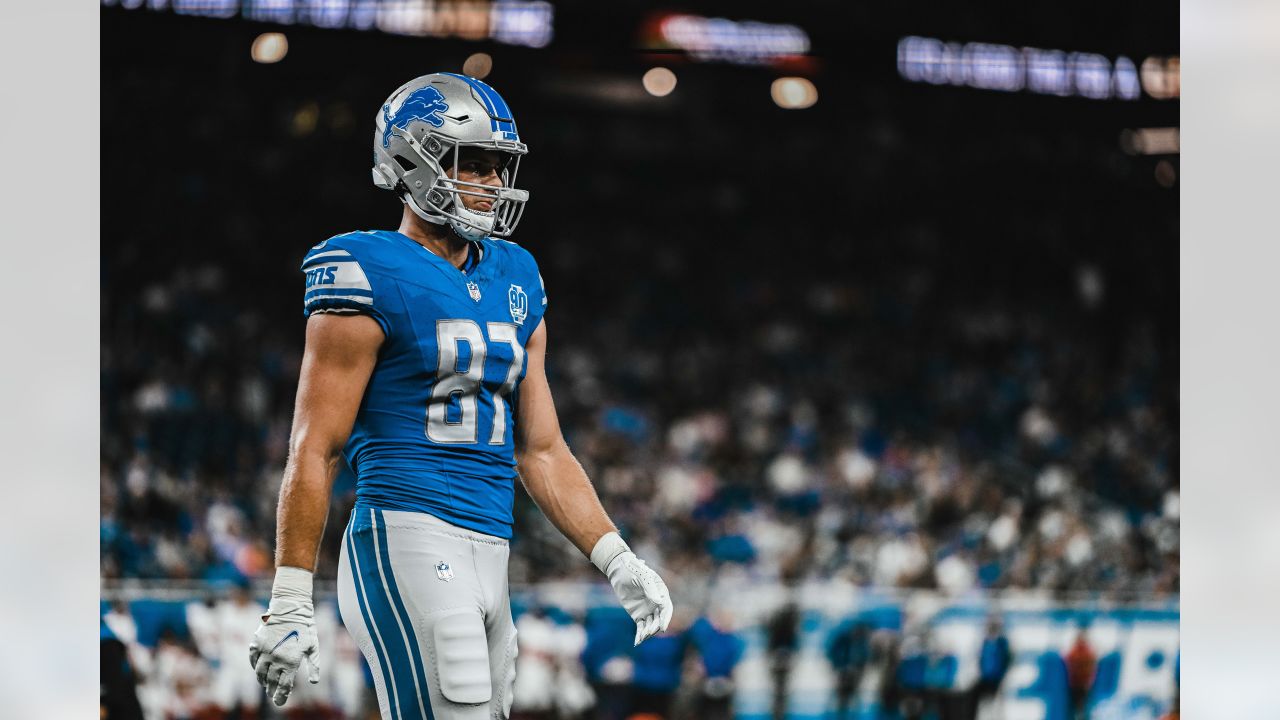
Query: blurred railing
pixel 825 594
pixel 792 630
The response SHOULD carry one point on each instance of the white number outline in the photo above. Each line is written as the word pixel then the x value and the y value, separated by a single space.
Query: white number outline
pixel 466 384
pixel 509 334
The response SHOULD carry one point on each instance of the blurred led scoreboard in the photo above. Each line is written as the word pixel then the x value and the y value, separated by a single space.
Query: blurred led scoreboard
pixel 990 66
pixel 710 39
pixel 513 22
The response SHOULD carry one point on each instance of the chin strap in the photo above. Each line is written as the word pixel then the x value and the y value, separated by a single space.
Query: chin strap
pixel 466 232
pixel 459 228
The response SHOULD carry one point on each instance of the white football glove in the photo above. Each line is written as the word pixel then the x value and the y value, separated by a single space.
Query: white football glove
pixel 286 636
pixel 642 592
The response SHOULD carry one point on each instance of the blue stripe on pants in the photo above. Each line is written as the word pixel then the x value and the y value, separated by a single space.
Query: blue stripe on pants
pixel 390 621
pixel 420 670
pixel 388 680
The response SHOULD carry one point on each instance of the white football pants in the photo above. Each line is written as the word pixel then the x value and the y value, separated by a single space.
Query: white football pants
pixel 427 604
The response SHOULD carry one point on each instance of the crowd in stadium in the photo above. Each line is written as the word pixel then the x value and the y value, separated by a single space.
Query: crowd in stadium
pixel 887 403
pixel 964 382
pixel 790 451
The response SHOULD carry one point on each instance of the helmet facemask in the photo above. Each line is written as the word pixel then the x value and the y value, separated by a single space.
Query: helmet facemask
pixel 442 203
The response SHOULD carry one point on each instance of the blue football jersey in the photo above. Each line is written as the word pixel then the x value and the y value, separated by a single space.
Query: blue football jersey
pixel 434 432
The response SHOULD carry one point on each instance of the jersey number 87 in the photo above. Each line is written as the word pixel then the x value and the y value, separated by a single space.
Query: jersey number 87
pixel 462 387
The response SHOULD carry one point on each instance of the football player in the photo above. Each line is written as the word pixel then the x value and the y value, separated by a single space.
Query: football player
pixel 423 366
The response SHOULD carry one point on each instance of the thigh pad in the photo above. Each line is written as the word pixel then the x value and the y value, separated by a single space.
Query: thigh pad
pixel 462 657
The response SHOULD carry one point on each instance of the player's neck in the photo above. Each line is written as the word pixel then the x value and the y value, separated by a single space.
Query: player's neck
pixel 436 238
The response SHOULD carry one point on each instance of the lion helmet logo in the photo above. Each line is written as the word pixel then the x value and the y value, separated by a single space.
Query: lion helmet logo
pixel 425 104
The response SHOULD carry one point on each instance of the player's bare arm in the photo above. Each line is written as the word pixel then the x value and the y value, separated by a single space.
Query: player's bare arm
pixel 557 483
pixel 339 357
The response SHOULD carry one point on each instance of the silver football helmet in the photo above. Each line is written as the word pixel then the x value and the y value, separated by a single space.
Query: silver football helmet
pixel 420 129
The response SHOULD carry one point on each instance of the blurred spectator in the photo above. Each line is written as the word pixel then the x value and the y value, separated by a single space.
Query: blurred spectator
pixel 204 627
pixel 659 669
pixel 943 699
pixel 534 692
pixel 549 679
pixel 719 651
pixel 123 628
pixel 910 676
pixel 236 688
pixel 782 636
pixel 606 657
pixel 994 659
pixel 1082 667
pixel 119 695
pixel 888 689
pixel 182 679
pixel 848 650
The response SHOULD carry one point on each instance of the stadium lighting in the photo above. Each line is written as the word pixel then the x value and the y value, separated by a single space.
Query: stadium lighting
pixel 305 119
pixel 1011 69
pixel 743 42
pixel 269 48
pixel 478 66
pixel 794 93
pixel 659 81
pixel 1162 77
pixel 513 22
pixel 1150 141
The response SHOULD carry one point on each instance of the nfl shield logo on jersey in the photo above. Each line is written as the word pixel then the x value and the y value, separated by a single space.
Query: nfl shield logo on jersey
pixel 443 571
pixel 474 290
pixel 519 304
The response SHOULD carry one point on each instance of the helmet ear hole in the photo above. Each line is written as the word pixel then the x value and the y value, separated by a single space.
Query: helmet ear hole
pixel 383 177
pixel 405 163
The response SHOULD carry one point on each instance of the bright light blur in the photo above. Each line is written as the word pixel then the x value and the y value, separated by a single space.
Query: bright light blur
pixel 513 22
pixel 1162 77
pixel 659 81
pixel 478 66
pixel 305 119
pixel 794 93
pixel 269 48
pixel 746 42
pixel 1010 69
pixel 1150 141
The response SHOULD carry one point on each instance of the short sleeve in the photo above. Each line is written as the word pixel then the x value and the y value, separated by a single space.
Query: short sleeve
pixel 536 288
pixel 336 282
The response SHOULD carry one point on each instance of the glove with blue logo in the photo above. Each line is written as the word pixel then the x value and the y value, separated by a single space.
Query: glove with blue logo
pixel 642 592
pixel 286 636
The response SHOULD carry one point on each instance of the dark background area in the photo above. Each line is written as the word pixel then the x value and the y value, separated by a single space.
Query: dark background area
pixel 893 274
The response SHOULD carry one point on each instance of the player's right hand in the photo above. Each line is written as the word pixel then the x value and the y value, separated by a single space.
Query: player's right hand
pixel 642 592
pixel 286 636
